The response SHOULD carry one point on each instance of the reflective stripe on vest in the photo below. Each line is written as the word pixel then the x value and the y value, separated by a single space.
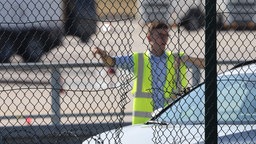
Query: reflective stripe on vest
pixel 142 90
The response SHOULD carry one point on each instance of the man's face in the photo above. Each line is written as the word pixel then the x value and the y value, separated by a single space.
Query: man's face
pixel 158 39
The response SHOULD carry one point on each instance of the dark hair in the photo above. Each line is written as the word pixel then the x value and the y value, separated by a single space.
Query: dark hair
pixel 157 25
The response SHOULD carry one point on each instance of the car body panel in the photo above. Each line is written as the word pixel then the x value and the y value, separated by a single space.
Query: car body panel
pixel 183 120
pixel 185 134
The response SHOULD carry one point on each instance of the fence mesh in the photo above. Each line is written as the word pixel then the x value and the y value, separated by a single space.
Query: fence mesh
pixel 55 90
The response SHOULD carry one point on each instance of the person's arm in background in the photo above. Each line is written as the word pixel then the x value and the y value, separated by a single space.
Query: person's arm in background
pixel 124 62
pixel 199 62
pixel 106 58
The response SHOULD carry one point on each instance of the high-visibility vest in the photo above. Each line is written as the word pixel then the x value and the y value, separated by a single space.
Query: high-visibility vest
pixel 142 86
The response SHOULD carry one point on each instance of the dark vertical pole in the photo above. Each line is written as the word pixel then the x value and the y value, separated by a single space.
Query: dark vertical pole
pixel 210 73
pixel 55 82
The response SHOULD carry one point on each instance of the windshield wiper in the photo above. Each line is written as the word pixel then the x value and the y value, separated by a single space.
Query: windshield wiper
pixel 155 122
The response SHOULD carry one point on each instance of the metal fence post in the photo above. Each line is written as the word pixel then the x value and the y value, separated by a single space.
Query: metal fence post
pixel 211 132
pixel 56 86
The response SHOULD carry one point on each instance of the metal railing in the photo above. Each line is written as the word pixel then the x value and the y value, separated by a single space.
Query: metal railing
pixel 55 84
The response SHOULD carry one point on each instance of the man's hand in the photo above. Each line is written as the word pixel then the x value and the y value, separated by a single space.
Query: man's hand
pixel 106 58
pixel 99 51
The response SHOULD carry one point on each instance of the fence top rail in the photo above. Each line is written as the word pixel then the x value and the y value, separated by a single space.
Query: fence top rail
pixel 43 65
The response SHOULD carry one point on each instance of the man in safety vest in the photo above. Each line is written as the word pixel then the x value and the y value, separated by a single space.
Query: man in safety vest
pixel 158 72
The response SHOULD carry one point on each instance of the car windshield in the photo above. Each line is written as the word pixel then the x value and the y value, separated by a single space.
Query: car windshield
pixel 236 103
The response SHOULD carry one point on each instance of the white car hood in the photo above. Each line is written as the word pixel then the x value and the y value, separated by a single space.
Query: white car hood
pixel 151 134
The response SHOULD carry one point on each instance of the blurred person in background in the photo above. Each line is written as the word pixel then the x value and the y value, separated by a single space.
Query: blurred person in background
pixel 156 71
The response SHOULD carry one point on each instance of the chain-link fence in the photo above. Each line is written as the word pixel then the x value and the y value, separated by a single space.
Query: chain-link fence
pixel 55 89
